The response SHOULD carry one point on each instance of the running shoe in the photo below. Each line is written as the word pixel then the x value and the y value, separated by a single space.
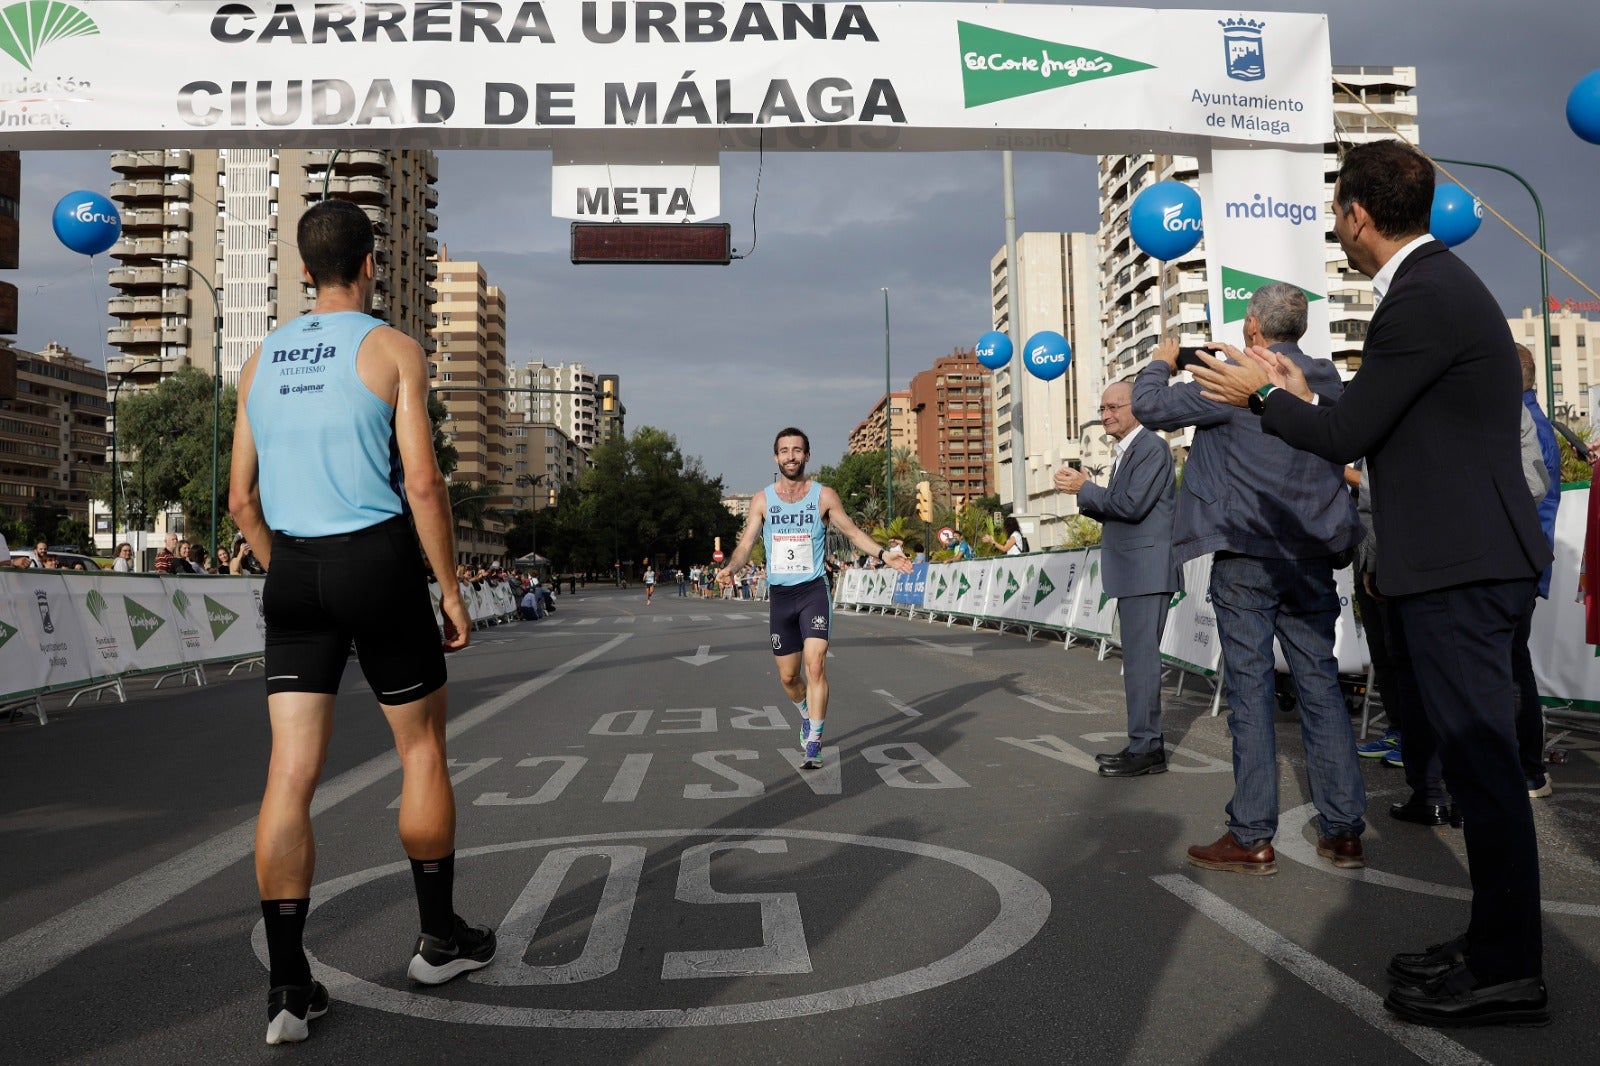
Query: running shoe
pixel 290 1009
pixel 1377 749
pixel 438 959
pixel 1395 759
pixel 813 759
pixel 1539 787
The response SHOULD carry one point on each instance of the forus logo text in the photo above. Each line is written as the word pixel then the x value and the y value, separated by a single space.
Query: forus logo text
pixel 1242 48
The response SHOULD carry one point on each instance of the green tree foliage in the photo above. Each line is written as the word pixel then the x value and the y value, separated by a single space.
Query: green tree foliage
pixel 168 432
pixel 446 452
pixel 470 502
pixel 522 534
pixel 858 478
pixel 1573 466
pixel 642 500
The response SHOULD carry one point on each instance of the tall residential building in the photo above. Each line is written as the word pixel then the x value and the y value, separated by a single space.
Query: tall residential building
pixel 569 403
pixel 894 430
pixel 226 217
pixel 1060 290
pixel 1574 338
pixel 10 199
pixel 470 352
pixel 546 459
pixel 955 425
pixel 53 436
pixel 611 418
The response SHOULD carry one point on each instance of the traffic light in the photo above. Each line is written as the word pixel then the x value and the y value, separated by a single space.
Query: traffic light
pixel 925 501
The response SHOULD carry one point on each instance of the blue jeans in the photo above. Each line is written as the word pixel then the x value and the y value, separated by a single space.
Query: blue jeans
pixel 1293 599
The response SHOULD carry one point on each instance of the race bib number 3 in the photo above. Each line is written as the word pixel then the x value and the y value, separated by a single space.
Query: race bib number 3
pixel 791 553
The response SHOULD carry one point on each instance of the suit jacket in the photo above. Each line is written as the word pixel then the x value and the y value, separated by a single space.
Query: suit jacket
pixel 1244 491
pixel 1136 509
pixel 1435 408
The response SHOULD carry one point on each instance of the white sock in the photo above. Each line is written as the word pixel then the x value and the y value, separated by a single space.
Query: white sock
pixel 816 727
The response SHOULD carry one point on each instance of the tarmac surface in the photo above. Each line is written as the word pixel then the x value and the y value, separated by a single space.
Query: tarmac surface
pixel 954 886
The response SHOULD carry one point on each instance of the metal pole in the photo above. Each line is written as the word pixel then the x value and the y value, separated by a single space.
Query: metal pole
pixel 888 419
pixel 1019 453
pixel 1544 273
pixel 327 175
pixel 216 392
pixel 116 477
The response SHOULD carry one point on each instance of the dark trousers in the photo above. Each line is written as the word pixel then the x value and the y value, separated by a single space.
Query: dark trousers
pixel 1530 712
pixel 1142 618
pixel 1460 640
pixel 1397 680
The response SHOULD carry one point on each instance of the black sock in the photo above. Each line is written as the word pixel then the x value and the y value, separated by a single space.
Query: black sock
pixel 435 881
pixel 286 922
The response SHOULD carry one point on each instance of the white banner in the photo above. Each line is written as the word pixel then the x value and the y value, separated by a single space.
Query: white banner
pixel 1095 611
pixel 1349 638
pixel 1057 588
pixel 1566 667
pixel 1190 637
pixel 1264 222
pixel 920 76
pixel 42 644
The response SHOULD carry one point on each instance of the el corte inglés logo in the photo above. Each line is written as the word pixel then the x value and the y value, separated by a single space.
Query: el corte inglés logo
pixel 219 617
pixel 1238 287
pixel 996 65
pixel 1046 587
pixel 142 622
pixel 1012 588
pixel 7 631
pixel 28 26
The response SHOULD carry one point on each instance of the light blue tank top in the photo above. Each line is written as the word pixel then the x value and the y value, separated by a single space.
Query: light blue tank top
pixel 329 461
pixel 794 537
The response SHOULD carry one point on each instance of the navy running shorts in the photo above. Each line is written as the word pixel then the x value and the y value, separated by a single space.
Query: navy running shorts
pixel 367 587
pixel 799 613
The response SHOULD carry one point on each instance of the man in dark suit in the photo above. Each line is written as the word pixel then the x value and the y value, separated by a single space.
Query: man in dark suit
pixel 1136 507
pixel 1276 518
pixel 1434 409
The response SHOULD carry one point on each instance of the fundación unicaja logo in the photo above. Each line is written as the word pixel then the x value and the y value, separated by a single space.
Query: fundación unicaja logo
pixel 28 26
pixel 219 617
pixel 1241 44
pixel 181 601
pixel 97 606
pixel 142 622
pixel 1237 288
pixel 996 65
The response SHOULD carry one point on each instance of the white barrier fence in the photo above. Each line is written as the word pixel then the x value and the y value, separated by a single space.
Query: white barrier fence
pixel 1061 593
pixel 88 631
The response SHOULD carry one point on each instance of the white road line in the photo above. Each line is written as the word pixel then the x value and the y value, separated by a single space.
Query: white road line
pixel 904 708
pixel 1078 706
pixel 1427 1044
pixel 586 621
pixel 36 951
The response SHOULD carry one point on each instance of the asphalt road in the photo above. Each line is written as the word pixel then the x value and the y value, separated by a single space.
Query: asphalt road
pixel 955 886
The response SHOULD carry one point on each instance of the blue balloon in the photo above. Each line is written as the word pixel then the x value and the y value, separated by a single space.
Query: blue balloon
pixel 1047 355
pixel 1583 108
pixel 86 222
pixel 994 349
pixel 1165 220
pixel 1456 214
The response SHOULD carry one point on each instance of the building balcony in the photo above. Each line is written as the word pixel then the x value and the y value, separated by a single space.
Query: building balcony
pixel 363 161
pixel 175 334
pixel 430 196
pixel 363 188
pixel 135 277
pixel 133 335
pixel 125 306
pixel 430 222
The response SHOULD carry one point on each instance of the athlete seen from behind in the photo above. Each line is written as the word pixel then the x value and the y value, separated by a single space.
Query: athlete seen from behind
pixel 792 515
pixel 332 449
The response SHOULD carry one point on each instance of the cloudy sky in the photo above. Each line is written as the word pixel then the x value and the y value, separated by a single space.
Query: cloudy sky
pixel 723 356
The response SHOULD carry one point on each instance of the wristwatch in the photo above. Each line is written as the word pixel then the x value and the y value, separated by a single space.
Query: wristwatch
pixel 1258 399
pixel 880 554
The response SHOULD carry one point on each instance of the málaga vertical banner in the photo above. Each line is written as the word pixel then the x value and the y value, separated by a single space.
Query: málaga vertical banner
pixel 1265 221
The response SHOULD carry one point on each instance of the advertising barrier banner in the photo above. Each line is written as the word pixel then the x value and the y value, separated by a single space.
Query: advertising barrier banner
pixel 1095 611
pixel 1056 590
pixel 1190 637
pixel 42 644
pixel 909 588
pixel 1566 667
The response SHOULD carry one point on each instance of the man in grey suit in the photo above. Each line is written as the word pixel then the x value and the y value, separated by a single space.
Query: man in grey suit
pixel 1135 506
pixel 1277 519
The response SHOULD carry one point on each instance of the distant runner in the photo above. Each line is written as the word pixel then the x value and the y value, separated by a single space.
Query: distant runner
pixel 790 515
pixel 649 583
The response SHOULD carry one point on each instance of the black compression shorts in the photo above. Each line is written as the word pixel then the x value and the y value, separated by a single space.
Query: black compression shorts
pixel 799 612
pixel 369 587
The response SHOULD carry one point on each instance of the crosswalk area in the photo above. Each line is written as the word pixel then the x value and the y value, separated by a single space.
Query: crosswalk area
pixel 632 619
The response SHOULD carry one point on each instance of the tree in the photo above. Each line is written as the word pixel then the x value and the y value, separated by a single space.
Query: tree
pixel 858 477
pixel 469 502
pixel 438 415
pixel 522 534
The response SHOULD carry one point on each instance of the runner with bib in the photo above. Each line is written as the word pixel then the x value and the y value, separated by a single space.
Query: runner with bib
pixel 792 515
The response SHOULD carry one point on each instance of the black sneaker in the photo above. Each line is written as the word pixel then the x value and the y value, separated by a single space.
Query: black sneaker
pixel 290 1009
pixel 438 959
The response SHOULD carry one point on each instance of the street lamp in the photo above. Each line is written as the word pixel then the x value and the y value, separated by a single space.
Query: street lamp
pixel 116 477
pixel 888 418
pixel 216 389
pixel 1544 271
pixel 532 481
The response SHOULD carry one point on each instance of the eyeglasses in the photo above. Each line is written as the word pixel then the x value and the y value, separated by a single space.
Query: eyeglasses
pixel 1113 407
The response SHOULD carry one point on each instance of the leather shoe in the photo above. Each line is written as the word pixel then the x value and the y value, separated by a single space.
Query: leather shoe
pixel 1343 851
pixel 1421 967
pixel 1421 812
pixel 1457 1000
pixel 1136 764
pixel 1230 855
pixel 1112 756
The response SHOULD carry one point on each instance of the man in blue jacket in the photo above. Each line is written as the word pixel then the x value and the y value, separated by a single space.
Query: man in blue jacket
pixel 1278 520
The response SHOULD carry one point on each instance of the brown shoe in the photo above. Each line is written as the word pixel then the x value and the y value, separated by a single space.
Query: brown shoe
pixel 1228 854
pixel 1343 851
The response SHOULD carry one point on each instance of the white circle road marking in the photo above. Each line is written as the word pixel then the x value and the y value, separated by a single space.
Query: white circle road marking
pixel 1024 907
pixel 1291 842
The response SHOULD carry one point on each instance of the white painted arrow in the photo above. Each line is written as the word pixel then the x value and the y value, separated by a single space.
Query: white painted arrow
pixel 700 658
pixel 949 649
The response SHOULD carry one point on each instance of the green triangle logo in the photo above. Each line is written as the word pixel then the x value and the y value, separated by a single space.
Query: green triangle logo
pixel 7 631
pixel 961 589
pixel 1238 287
pixel 943 584
pixel 1177 599
pixel 1046 587
pixel 142 621
pixel 219 617
pixel 996 65
pixel 29 25
pixel 1012 588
